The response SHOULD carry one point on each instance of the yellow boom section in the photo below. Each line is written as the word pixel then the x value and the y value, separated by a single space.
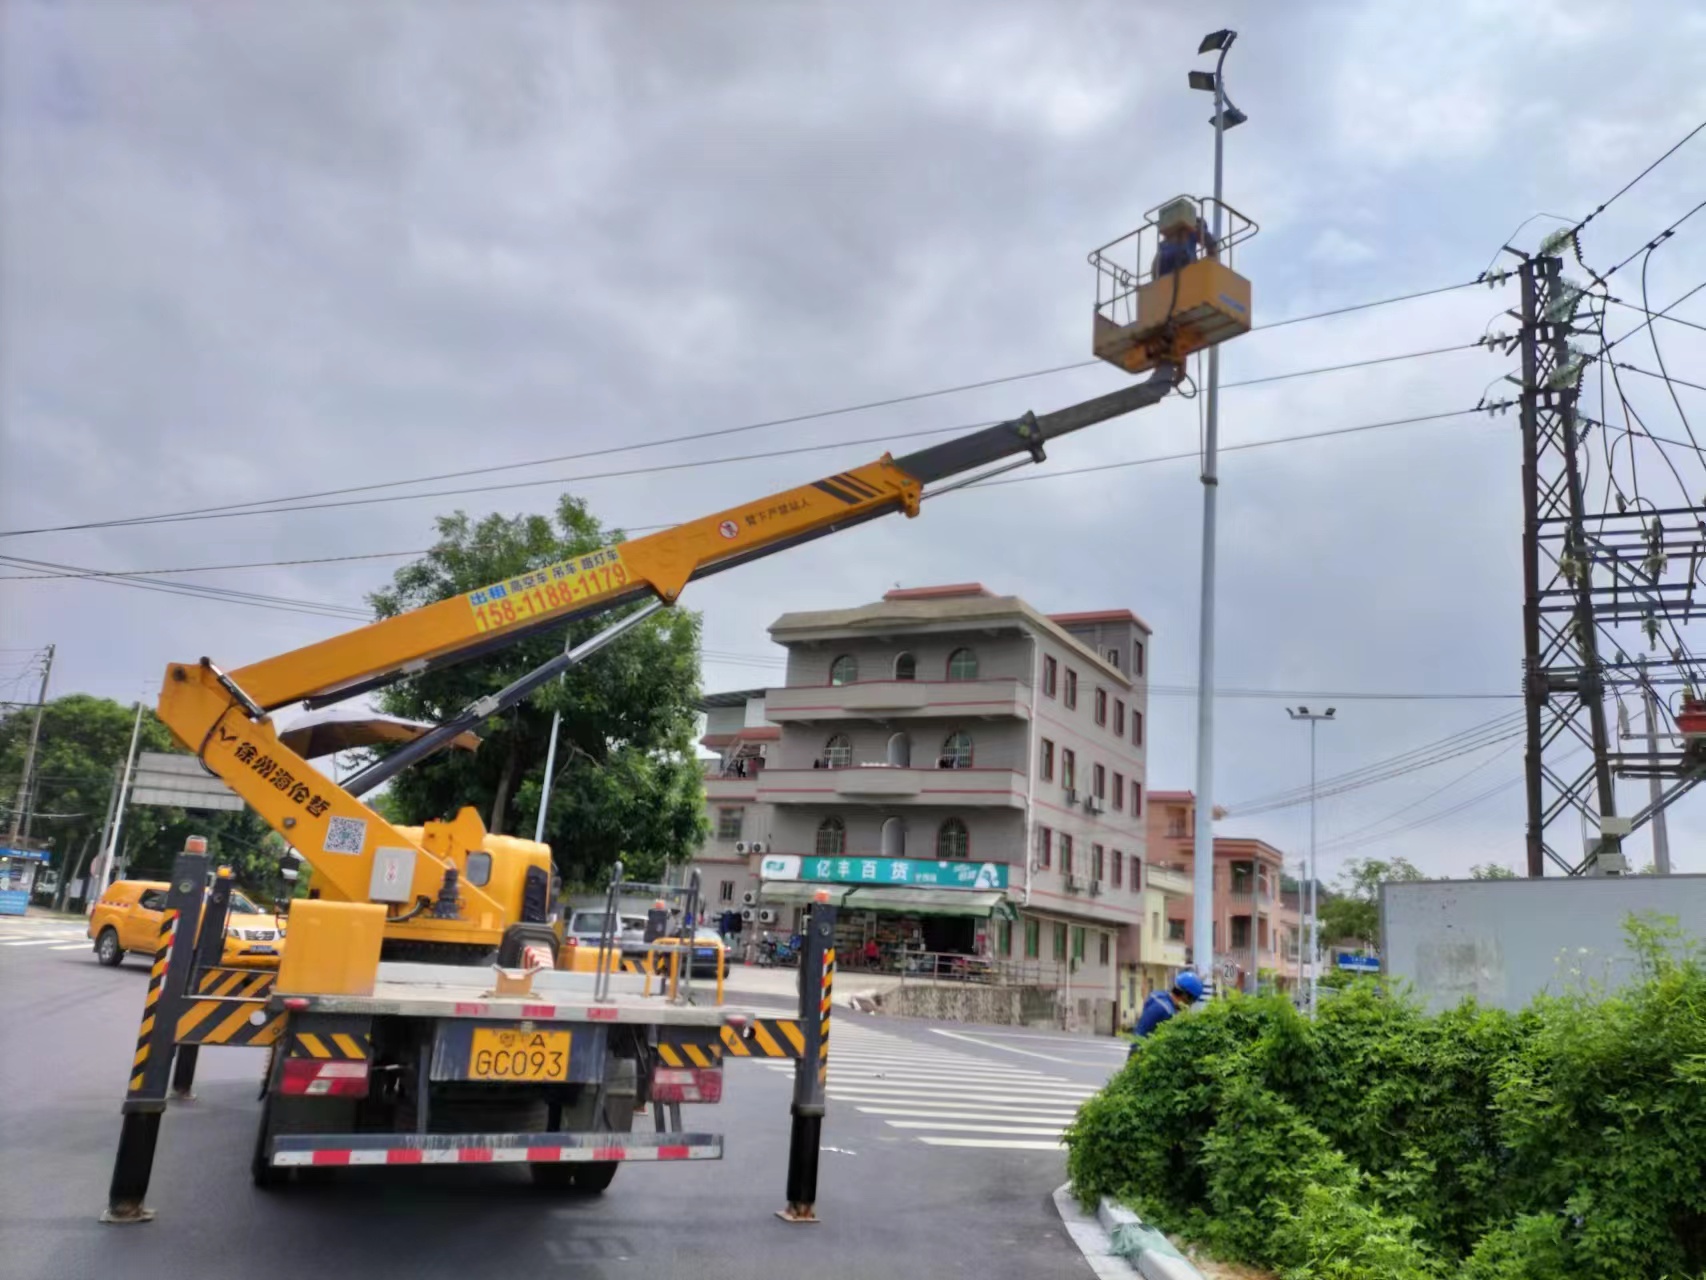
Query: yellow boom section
pixel 350 847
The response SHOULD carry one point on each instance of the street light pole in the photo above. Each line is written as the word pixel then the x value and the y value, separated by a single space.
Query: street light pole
pixel 1312 921
pixel 1202 871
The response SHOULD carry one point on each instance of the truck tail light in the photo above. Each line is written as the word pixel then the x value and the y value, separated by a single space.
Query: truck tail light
pixel 687 1084
pixel 317 1078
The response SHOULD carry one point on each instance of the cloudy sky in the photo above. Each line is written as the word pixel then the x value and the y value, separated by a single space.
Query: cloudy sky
pixel 249 253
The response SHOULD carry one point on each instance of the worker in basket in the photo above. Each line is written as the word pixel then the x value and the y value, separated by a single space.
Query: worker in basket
pixel 1162 1005
pixel 1184 238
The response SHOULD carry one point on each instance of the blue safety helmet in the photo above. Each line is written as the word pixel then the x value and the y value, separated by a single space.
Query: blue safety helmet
pixel 1190 984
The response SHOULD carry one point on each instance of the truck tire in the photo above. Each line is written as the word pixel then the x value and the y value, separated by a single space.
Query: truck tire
pixel 592 1177
pixel 107 949
pixel 264 1175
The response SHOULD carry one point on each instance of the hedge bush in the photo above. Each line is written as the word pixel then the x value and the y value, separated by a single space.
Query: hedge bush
pixel 1379 1142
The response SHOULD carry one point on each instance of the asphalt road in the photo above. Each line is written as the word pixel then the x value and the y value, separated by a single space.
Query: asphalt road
pixel 939 1159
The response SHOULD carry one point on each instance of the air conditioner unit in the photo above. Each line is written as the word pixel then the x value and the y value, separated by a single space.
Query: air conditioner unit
pixel 749 899
pixel 758 846
pixel 1095 804
pixel 1074 882
pixel 1095 888
pixel 767 915
pixel 747 914
pixel 1071 796
pixel 741 846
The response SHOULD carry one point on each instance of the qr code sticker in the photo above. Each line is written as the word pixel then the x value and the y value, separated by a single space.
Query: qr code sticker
pixel 346 835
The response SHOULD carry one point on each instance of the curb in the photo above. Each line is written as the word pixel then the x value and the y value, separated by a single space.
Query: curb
pixel 1095 1235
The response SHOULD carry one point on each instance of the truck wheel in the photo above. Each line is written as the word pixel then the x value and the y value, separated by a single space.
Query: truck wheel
pixel 264 1175
pixel 595 1176
pixel 107 949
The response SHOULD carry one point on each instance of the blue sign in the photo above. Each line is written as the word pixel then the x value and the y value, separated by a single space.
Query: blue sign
pixel 28 855
pixel 1356 963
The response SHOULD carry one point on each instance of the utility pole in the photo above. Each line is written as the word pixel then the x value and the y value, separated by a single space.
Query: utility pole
pixel 1655 784
pixel 111 855
pixel 30 753
pixel 1202 870
pixel 99 862
pixel 1312 920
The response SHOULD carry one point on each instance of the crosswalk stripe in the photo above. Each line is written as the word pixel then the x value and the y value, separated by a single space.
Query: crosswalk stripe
pixel 903 1076
pixel 31 942
pixel 933 1068
pixel 970 1089
pixel 1023 1131
pixel 960 1113
pixel 882 1095
pixel 1002 1144
pixel 72 946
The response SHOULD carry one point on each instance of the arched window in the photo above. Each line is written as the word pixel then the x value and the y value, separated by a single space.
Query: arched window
pixel 831 836
pixel 906 667
pixel 953 840
pixel 844 670
pixel 962 665
pixel 838 751
pixel 900 750
pixel 956 751
pixel 894 838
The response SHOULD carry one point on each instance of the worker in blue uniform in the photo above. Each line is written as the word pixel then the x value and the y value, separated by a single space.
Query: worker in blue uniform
pixel 1161 1005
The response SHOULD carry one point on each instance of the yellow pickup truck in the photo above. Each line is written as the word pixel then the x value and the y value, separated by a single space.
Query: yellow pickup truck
pixel 127 918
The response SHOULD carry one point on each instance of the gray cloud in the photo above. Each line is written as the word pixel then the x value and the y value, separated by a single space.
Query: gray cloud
pixel 249 253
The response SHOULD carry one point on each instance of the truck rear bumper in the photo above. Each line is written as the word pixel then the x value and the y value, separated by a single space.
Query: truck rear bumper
pixel 335 1149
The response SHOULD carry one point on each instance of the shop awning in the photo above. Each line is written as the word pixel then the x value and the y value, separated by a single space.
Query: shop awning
pixel 795 893
pixel 928 902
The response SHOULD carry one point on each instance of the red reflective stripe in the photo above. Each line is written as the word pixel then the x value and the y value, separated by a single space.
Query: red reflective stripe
pixel 404 1155
pixel 601 1015
pixel 609 1153
pixel 544 1153
pixel 538 1010
pixel 673 1153
pixel 464 1007
pixel 331 1157
pixel 474 1155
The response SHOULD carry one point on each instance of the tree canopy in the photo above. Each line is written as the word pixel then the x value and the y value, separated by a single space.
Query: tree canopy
pixel 1353 913
pixel 628 784
pixel 84 740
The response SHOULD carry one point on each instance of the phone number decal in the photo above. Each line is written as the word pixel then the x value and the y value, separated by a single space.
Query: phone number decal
pixel 547 590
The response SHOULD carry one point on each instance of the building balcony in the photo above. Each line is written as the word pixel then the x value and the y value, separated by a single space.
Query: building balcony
pixel 732 788
pixel 891 784
pixel 1175 884
pixel 899 700
pixel 1172 954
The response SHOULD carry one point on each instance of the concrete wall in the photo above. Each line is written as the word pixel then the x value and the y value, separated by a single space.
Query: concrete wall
pixel 993 1006
pixel 1506 941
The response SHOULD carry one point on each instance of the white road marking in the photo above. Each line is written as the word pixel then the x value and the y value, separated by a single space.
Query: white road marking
pixel 885 1095
pixel 996 1144
pixel 1026 1131
pixel 30 942
pixel 979 1113
pixel 72 946
pixel 1029 1053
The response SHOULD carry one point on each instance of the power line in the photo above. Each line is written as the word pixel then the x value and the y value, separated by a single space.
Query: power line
pixel 281 604
pixel 1238 448
pixel 72 571
pixel 1352 836
pixel 1657 315
pixel 1478 734
pixel 1621 191
pixel 260 506
pixel 215 568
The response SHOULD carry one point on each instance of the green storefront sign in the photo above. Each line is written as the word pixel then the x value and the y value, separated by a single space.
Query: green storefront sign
pixel 889 872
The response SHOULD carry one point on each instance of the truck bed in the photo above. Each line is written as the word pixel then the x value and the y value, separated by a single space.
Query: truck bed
pixel 466 991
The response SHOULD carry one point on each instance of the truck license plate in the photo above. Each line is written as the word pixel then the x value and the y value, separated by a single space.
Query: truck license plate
pixel 503 1053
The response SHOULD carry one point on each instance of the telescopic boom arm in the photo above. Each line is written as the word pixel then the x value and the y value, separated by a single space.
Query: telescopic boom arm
pixel 225 717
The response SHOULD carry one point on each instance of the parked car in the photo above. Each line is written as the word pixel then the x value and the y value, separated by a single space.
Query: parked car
pixel 708 951
pixel 127 918
pixel 587 929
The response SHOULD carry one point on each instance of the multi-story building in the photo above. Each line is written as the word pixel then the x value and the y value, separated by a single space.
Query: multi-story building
pixel 1247 883
pixel 946 725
